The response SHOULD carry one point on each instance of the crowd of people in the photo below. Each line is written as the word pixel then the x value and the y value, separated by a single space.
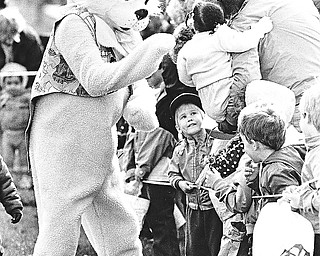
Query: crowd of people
pixel 251 66
pixel 252 89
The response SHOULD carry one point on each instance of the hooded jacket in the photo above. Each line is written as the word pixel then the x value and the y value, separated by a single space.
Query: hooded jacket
pixel 311 170
pixel 14 111
pixel 281 169
pixel 9 196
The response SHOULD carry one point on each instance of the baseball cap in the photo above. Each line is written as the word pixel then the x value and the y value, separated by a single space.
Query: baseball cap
pixel 184 98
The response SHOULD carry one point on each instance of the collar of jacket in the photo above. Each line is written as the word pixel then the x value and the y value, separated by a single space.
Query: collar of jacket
pixel 312 142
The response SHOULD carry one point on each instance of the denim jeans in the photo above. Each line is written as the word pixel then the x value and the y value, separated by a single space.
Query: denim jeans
pixel 204 232
pixel 160 219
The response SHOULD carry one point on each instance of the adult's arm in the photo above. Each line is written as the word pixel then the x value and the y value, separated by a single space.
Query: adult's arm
pixel 78 47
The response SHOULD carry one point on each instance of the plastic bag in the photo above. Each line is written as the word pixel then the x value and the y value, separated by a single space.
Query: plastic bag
pixel 278 229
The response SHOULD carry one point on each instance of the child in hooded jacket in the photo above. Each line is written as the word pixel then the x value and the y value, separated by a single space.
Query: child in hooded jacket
pixel 14 114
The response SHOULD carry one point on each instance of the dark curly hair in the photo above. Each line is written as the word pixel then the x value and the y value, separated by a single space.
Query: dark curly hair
pixel 183 34
pixel 207 15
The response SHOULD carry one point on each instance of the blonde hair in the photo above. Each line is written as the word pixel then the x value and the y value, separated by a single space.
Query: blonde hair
pixel 183 105
pixel 310 104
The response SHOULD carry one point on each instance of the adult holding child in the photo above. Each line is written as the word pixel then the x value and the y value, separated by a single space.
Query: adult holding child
pixel 210 71
pixel 20 43
pixel 288 55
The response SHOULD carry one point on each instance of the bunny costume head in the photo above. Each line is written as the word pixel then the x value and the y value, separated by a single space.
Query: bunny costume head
pixel 118 14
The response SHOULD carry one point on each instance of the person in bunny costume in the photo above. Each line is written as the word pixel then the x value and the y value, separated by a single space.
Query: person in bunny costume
pixel 92 73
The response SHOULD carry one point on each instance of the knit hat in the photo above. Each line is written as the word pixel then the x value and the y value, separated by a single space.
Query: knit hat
pixel 13 69
pixel 185 98
pixel 278 95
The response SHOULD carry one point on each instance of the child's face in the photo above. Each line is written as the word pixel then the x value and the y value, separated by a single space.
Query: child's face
pixel 189 119
pixel 13 84
pixel 305 126
pixel 249 148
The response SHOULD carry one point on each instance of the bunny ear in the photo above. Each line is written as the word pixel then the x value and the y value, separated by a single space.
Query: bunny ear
pixel 156 7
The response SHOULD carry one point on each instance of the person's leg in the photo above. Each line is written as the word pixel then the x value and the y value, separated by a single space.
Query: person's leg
pixel 1 248
pixel 213 231
pixel 244 246
pixel 161 220
pixel 214 99
pixel 180 201
pixel 22 149
pixel 196 242
pixel 59 205
pixel 146 235
pixel 316 248
pixel 8 151
pixel 111 224
pixel 73 170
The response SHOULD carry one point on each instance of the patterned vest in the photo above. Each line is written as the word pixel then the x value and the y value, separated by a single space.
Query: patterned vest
pixel 54 74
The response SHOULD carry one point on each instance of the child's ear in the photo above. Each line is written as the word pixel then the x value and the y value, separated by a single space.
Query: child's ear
pixel 178 128
pixel 255 144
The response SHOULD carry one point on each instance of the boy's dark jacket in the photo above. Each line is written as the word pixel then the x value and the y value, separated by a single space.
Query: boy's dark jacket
pixel 9 196
pixel 280 169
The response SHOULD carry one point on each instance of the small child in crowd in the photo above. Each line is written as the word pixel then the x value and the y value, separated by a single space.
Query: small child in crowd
pixel 306 198
pixel 14 114
pixel 263 133
pixel 205 61
pixel 204 227
pixel 266 137
pixel 9 196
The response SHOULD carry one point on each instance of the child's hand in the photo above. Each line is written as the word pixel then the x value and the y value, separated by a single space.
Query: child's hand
pixel 251 171
pixel 187 186
pixel 16 215
pixel 264 24
pixel 211 176
pixel 4 98
pixel 133 188
pixel 292 196
pixel 202 176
